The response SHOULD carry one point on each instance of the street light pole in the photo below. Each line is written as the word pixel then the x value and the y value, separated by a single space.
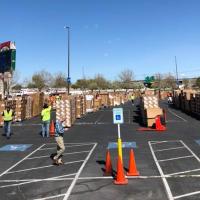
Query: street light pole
pixel 176 72
pixel 68 74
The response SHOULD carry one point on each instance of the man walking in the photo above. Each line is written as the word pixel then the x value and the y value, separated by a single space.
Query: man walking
pixel 59 131
pixel 7 117
pixel 45 115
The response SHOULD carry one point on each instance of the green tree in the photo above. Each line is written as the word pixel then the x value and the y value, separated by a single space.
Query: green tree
pixel 198 82
pixel 59 81
pixel 41 80
pixel 17 87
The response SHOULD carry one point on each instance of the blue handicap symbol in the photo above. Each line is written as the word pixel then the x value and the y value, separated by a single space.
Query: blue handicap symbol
pixel 113 145
pixel 118 117
pixel 197 141
pixel 15 147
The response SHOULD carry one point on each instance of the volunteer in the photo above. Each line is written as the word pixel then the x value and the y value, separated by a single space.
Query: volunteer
pixel 7 117
pixel 45 116
pixel 59 131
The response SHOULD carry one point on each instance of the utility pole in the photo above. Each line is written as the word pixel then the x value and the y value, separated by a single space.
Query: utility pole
pixel 176 72
pixel 68 67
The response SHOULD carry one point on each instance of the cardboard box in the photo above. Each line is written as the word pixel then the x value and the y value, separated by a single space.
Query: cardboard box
pixel 153 112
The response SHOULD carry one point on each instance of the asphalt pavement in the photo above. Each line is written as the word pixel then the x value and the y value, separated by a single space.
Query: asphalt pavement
pixel 168 162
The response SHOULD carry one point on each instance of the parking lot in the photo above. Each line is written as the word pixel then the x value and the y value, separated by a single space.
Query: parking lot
pixel 168 161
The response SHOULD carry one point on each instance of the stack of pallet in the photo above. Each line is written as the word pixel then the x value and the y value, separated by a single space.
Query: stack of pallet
pixel 38 101
pixel 104 99
pixel 149 108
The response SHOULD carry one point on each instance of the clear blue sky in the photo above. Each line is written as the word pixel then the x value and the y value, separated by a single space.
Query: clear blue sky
pixel 107 36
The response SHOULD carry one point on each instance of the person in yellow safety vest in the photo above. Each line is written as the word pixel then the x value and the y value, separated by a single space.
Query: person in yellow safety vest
pixel 45 116
pixel 57 97
pixel 132 98
pixel 7 117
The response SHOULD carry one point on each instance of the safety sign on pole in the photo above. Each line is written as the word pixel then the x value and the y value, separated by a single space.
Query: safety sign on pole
pixel 118 118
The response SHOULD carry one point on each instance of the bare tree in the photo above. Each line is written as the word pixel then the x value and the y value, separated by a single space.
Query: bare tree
pixel 126 78
pixel 169 81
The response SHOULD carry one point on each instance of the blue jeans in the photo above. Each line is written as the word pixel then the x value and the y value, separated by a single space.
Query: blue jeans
pixel 7 128
pixel 45 128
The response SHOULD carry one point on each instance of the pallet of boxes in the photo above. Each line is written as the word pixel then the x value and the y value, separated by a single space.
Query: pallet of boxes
pixel 149 107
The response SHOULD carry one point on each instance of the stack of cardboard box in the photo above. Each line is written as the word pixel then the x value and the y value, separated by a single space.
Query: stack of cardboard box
pixel 63 111
pixel 2 108
pixel 29 107
pixel 19 106
pixel 89 98
pixel 78 106
pixel 149 107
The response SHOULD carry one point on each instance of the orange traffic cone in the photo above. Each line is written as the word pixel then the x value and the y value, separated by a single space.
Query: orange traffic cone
pixel 132 165
pixel 159 126
pixel 52 129
pixel 120 179
pixel 108 170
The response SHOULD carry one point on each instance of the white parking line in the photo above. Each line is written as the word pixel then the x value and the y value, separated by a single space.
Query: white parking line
pixel 159 142
pixel 67 146
pixel 7 171
pixel 52 197
pixel 187 195
pixel 38 157
pixel 190 151
pixel 35 168
pixel 183 172
pixel 167 188
pixel 176 158
pixel 78 174
pixel 40 180
pixel 169 149
pixel 99 118
pixel 173 113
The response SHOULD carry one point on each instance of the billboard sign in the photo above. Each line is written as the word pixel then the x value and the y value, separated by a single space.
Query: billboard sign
pixel 7 56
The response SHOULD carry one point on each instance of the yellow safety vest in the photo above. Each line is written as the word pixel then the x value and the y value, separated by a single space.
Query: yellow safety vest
pixel 46 114
pixel 132 97
pixel 7 115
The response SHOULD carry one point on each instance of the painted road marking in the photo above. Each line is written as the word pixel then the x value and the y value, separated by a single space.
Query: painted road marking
pixel 178 173
pixel 99 118
pixel 177 158
pixel 187 195
pixel 47 166
pixel 21 161
pixel 38 157
pixel 113 145
pixel 78 174
pixel 173 113
pixel 159 142
pixel 39 180
pixel 167 188
pixel 183 172
pixel 68 146
pixel 15 147
pixel 169 149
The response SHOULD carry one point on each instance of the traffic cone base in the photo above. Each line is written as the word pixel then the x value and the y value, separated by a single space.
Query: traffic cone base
pixel 124 182
pixel 108 170
pixel 132 165
pixel 120 178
